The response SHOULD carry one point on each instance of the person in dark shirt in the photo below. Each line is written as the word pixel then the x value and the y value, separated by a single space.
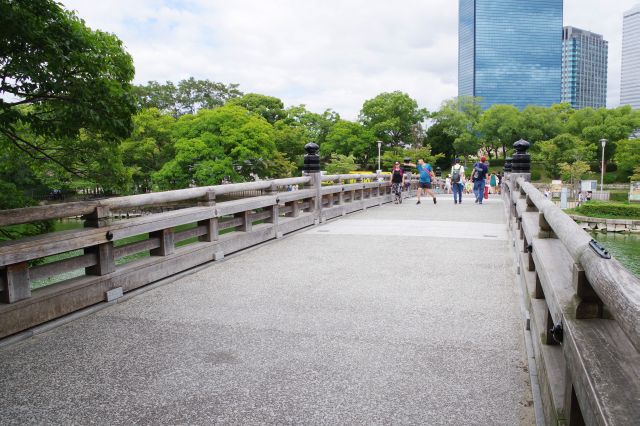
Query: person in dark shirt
pixel 479 176
pixel 397 182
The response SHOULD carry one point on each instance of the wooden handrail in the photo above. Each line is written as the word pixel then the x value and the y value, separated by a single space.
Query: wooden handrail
pixel 616 286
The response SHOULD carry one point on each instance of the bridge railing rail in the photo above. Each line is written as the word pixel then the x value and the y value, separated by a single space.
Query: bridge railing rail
pixel 584 310
pixel 108 258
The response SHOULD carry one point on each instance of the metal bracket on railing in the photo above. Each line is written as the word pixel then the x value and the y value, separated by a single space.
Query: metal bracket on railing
pixel 557 332
pixel 109 235
pixel 600 250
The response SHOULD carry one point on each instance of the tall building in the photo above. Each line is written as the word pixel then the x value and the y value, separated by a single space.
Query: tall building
pixel 510 51
pixel 584 68
pixel 630 76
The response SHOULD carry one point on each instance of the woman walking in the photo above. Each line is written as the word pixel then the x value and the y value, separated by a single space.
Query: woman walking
pixel 397 182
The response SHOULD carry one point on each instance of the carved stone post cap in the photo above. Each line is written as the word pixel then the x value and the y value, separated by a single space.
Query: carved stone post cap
pixel 311 148
pixel 521 146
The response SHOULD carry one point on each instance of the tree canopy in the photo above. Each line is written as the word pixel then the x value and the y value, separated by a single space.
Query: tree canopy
pixel 59 78
pixel 394 118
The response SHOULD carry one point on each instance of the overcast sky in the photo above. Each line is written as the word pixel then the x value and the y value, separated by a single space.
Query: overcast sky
pixel 321 53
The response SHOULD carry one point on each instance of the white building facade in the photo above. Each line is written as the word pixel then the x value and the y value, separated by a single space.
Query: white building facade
pixel 630 76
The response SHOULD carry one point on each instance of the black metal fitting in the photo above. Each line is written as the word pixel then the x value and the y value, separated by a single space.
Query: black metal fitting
pixel 557 332
pixel 109 235
pixel 600 250
pixel 529 249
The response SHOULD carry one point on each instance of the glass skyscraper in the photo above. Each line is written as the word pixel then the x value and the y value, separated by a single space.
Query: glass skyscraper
pixel 630 76
pixel 584 68
pixel 510 51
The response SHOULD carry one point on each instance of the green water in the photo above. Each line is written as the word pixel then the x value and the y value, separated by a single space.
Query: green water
pixel 624 247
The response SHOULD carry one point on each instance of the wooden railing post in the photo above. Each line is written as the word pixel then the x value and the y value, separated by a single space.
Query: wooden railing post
pixel 16 284
pixel 105 258
pixel 589 305
pixel 167 245
pixel 246 221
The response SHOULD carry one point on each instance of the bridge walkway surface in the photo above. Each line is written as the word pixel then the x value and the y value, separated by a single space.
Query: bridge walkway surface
pixel 401 314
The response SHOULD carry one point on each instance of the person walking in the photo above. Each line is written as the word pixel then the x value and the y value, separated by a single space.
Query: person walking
pixel 397 182
pixel 478 176
pixel 457 181
pixel 447 184
pixel 426 177
pixel 493 182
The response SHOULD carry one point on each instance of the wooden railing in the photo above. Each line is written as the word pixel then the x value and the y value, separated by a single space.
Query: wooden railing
pixel 169 243
pixel 584 314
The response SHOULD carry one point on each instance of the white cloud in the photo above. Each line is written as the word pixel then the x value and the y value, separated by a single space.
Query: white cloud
pixel 325 54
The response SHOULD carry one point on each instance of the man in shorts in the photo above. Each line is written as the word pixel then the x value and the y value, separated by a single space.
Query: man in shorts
pixel 426 173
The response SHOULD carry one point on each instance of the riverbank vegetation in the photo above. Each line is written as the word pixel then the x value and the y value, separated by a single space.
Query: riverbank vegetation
pixel 608 210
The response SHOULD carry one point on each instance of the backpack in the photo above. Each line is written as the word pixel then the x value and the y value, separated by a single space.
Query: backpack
pixel 455 176
pixel 478 172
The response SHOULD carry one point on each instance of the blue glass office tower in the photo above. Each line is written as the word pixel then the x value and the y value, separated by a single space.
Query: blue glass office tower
pixel 510 51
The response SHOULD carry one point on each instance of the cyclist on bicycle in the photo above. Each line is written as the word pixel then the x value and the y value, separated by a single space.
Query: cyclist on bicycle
pixel 397 182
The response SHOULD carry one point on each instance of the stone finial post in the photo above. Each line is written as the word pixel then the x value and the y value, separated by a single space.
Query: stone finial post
pixel 508 165
pixel 521 161
pixel 311 167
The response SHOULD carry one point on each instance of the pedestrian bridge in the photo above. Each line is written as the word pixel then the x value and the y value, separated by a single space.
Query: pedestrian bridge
pixel 325 305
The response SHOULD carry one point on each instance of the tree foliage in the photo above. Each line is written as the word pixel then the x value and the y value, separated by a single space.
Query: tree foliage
pixel 213 144
pixel 394 118
pixel 341 164
pixel 187 97
pixel 58 78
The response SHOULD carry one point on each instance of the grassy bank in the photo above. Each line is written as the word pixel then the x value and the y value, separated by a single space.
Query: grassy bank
pixel 608 210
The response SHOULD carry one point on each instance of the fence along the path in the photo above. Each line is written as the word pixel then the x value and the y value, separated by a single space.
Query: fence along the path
pixel 584 314
pixel 211 230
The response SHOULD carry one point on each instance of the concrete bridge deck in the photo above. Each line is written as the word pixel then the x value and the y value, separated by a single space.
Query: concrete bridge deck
pixel 401 314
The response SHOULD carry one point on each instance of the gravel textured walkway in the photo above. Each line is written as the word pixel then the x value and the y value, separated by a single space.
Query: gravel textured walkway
pixel 402 314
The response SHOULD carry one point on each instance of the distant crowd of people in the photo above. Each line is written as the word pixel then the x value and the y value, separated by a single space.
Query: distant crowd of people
pixel 480 182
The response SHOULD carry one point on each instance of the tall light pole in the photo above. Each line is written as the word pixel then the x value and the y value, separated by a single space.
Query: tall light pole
pixel 604 143
pixel 379 146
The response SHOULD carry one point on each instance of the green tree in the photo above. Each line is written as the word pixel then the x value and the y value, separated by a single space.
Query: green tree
pixel 539 123
pixel 499 127
pixel 341 164
pixel 392 155
pixel 187 97
pixel 270 108
pixel 350 139
pixel 212 144
pixel 574 171
pixel 394 118
pixel 149 147
pixel 628 155
pixel 455 118
pixel 58 78
pixel 564 148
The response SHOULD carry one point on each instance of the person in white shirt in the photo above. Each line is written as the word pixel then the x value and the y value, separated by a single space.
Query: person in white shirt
pixel 457 181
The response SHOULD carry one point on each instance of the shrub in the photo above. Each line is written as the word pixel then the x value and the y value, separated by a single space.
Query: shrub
pixel 610 209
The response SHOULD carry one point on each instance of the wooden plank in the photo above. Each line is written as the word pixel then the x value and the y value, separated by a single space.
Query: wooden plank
pixel 190 233
pixel 262 215
pixel 60 242
pixel 137 247
pixel 61 266
pixel 230 223
pixel 554 268
pixel 605 368
pixel 237 206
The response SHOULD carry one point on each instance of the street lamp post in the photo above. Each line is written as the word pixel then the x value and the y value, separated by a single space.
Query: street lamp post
pixel 379 146
pixel 603 142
